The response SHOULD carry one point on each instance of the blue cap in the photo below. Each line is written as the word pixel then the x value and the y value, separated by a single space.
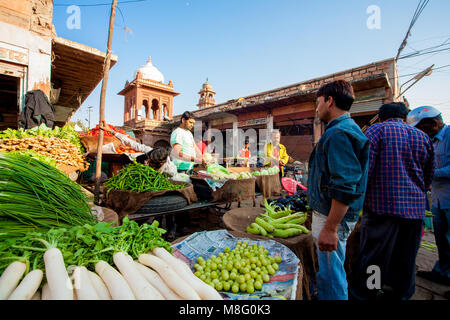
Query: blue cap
pixel 420 113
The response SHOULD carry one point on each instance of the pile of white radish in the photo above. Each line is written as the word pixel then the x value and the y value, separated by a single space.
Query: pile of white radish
pixel 157 275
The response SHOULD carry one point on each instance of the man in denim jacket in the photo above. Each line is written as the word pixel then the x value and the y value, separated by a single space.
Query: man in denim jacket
pixel 338 168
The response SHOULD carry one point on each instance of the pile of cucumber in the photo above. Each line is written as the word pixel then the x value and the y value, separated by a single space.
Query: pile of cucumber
pixel 278 222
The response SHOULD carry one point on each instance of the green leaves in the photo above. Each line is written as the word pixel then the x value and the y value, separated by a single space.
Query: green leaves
pixel 84 245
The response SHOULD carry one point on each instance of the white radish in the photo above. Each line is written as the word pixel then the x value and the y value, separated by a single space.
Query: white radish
pixel 204 290
pixel 99 285
pixel 28 286
pixel 83 285
pixel 36 296
pixel 46 294
pixel 141 288
pixel 58 280
pixel 116 283
pixel 155 280
pixel 170 277
pixel 10 278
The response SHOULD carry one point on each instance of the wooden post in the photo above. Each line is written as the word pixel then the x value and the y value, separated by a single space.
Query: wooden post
pixel 98 168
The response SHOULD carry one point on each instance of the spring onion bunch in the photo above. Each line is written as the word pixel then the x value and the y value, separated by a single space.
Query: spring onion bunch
pixel 36 195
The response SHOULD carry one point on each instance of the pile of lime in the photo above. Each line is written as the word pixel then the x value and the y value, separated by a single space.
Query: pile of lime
pixel 243 269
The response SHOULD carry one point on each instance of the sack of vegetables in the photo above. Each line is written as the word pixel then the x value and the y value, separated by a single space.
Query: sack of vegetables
pixel 137 183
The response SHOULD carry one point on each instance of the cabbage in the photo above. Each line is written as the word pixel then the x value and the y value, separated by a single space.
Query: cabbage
pixel 246 175
pixel 207 157
pixel 213 168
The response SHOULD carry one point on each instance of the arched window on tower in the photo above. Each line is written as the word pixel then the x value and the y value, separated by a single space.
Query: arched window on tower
pixel 164 114
pixel 144 109
pixel 155 109
pixel 131 109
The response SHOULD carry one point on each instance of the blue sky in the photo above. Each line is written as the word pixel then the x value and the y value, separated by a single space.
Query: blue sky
pixel 247 46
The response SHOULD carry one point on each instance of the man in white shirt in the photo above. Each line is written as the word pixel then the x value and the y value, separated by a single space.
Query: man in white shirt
pixel 185 152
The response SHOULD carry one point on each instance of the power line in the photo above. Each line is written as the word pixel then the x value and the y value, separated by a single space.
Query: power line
pixel 419 9
pixel 434 70
pixel 97 4
pixel 413 55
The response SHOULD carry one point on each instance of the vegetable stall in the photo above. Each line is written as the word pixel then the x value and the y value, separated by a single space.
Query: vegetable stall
pixel 53 247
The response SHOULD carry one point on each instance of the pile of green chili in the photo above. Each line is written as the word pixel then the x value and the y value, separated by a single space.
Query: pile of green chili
pixel 141 178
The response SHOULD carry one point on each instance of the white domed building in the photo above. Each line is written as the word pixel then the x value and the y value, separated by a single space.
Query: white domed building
pixel 148 104
pixel 150 72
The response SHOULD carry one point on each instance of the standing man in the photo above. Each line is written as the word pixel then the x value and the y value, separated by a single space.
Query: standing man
pixel 337 180
pixel 184 149
pixel 400 172
pixel 429 120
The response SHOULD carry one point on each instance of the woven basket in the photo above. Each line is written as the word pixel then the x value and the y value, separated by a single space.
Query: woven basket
pixel 90 143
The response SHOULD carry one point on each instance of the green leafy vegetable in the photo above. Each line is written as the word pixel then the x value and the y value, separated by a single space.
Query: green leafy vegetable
pixel 83 245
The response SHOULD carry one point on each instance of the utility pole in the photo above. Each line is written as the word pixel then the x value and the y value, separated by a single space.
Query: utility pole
pixel 417 77
pixel 98 168
pixel 89 116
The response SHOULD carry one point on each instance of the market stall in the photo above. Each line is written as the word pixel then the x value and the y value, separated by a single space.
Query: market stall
pixel 237 220
pixel 53 246
pixel 235 184
pixel 52 234
pixel 60 147
pixel 114 153
pixel 286 280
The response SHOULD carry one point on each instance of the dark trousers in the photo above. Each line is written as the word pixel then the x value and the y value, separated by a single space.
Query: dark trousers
pixel 391 244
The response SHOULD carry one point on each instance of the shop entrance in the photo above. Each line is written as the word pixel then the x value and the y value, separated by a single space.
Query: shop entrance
pixel 9 106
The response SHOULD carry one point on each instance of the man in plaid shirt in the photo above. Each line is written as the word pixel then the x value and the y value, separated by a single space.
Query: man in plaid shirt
pixel 401 162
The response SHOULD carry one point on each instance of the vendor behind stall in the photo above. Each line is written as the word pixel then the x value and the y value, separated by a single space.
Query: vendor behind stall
pixel 275 153
pixel 245 153
pixel 157 158
pixel 184 149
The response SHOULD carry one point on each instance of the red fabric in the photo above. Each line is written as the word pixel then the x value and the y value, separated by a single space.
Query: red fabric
pixel 202 146
pixel 245 153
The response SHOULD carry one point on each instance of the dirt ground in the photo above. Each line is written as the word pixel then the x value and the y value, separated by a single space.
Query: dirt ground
pixel 425 289
pixel 209 219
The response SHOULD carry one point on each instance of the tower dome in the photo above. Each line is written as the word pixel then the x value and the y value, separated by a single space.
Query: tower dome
pixel 149 71
pixel 206 96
